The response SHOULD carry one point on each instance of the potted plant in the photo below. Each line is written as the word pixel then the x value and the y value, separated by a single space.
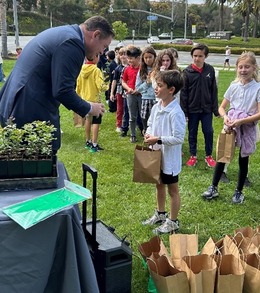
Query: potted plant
pixel 27 151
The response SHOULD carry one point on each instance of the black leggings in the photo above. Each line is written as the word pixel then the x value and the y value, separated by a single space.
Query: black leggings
pixel 243 170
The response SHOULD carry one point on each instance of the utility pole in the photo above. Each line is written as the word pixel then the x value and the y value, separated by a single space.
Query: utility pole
pixel 150 24
pixel 185 21
pixel 16 27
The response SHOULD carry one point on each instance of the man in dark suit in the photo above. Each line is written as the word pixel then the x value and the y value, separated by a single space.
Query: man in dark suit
pixel 45 74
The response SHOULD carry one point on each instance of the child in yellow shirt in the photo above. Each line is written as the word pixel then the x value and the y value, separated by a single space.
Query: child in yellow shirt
pixel 90 84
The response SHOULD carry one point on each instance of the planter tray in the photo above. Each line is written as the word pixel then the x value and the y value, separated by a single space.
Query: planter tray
pixel 30 183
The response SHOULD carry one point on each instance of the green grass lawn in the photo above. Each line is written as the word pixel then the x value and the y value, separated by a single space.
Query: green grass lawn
pixel 124 204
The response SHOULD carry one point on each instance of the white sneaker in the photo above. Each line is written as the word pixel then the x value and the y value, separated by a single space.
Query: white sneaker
pixel 156 219
pixel 118 129
pixel 168 226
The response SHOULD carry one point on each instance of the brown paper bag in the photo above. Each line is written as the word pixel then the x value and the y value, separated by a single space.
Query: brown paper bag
pixel 252 274
pixel 181 245
pixel 154 246
pixel 167 279
pixel 246 231
pixel 201 271
pixel 248 245
pixel 226 245
pixel 225 149
pixel 210 247
pixel 147 165
pixel 230 277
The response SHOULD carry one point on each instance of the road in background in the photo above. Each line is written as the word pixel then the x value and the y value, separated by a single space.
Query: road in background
pixel 184 57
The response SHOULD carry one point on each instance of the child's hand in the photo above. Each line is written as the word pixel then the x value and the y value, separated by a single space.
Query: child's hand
pixel 151 140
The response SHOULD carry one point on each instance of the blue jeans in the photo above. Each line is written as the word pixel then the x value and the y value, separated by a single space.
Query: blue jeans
pixel 207 129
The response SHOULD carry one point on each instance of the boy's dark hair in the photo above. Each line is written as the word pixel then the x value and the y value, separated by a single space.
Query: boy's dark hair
pixel 111 55
pixel 133 51
pixel 201 47
pixel 172 78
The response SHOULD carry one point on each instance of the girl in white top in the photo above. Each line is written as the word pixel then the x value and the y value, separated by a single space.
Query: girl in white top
pixel 242 96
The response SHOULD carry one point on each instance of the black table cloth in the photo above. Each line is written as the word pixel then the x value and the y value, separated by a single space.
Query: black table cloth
pixel 50 257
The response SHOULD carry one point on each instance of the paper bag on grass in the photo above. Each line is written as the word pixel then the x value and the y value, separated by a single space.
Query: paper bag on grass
pixel 225 148
pixel 252 273
pixel 210 247
pixel 226 245
pixel 248 245
pixel 230 277
pixel 201 271
pixel 245 231
pixel 147 165
pixel 167 279
pixel 155 245
pixel 181 245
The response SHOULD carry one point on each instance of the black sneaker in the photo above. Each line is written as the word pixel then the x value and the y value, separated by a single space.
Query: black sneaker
pixel 133 139
pixel 224 178
pixel 88 145
pixel 96 148
pixel 247 182
pixel 123 134
pixel 211 193
pixel 238 197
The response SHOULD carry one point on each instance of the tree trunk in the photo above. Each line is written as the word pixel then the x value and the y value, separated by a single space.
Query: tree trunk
pixel 246 32
pixel 254 35
pixel 3 28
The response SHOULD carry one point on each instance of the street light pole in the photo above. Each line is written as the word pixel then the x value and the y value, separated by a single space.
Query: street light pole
pixel 150 28
pixel 172 18
pixel 16 23
pixel 185 20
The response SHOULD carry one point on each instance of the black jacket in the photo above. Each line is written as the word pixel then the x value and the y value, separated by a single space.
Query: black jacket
pixel 199 94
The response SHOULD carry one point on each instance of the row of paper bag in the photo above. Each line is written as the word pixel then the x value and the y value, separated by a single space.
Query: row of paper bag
pixel 229 265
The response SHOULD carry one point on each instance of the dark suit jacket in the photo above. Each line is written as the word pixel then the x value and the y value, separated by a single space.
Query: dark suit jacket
pixel 45 76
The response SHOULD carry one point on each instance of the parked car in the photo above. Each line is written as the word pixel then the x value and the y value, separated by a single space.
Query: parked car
pixel 153 39
pixel 182 41
pixel 165 35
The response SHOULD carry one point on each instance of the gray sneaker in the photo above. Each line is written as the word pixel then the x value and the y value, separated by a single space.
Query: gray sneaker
pixel 238 197
pixel 156 219
pixel 168 226
pixel 211 193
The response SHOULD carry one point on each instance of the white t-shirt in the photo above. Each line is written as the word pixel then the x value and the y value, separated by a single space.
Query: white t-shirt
pixel 244 97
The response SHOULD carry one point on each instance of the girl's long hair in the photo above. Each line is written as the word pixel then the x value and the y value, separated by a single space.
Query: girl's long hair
pixel 143 66
pixel 250 56
pixel 158 61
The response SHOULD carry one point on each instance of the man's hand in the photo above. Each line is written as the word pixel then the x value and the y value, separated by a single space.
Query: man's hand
pixel 97 109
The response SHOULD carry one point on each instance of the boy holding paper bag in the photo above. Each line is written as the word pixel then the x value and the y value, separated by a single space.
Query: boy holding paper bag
pixel 166 131
pixel 243 100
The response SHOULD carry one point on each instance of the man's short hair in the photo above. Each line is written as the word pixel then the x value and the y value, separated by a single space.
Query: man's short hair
pixel 99 23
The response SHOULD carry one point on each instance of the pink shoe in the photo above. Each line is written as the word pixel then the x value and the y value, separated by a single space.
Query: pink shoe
pixel 192 161
pixel 210 161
